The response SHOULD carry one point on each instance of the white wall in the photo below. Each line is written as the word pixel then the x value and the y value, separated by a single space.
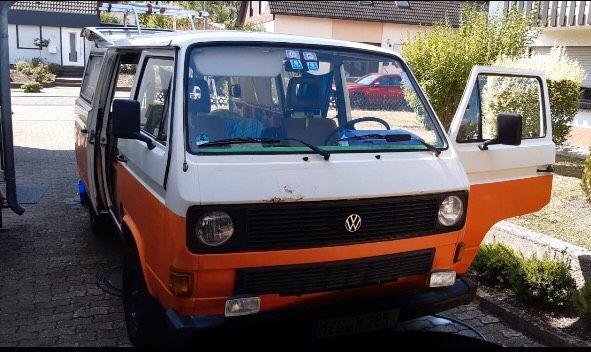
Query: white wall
pixel 567 36
pixel 582 119
pixel 307 26
pixel 393 34
pixel 51 33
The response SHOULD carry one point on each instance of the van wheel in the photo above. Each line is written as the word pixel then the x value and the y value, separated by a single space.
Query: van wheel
pixel 144 316
pixel 99 224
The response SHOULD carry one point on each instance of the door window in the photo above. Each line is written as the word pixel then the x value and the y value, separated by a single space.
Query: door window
pixel 153 95
pixel 495 94
pixel 93 69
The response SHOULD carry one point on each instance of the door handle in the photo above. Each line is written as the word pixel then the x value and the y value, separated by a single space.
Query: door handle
pixel 550 168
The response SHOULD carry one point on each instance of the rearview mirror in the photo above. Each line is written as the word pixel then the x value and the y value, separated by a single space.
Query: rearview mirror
pixel 509 129
pixel 126 121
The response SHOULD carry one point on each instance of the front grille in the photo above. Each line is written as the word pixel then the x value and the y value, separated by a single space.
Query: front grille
pixel 282 227
pixel 295 225
pixel 310 278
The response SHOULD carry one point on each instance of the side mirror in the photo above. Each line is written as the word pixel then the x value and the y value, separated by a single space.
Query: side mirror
pixel 126 121
pixel 376 84
pixel 509 129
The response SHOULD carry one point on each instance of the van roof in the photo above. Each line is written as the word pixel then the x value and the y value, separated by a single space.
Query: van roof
pixel 129 37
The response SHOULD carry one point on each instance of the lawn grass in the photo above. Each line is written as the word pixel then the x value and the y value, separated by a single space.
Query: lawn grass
pixel 568 215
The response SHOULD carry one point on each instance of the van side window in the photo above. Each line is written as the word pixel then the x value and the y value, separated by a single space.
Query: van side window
pixel 93 69
pixel 494 94
pixel 153 95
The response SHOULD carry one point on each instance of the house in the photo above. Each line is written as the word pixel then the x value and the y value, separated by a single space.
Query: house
pixel 381 23
pixel 51 30
pixel 566 23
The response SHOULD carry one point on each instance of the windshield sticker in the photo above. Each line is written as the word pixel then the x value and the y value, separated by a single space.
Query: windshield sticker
pixel 312 65
pixel 296 64
pixel 202 138
pixel 309 56
pixel 292 54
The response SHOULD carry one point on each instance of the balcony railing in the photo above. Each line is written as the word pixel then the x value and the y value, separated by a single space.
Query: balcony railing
pixel 556 13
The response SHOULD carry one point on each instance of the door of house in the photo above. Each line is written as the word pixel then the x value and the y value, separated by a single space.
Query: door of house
pixel 72 47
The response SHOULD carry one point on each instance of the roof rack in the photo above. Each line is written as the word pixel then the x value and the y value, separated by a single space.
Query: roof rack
pixel 157 8
pixel 106 36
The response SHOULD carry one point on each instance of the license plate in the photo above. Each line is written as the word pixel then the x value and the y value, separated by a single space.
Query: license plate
pixel 358 323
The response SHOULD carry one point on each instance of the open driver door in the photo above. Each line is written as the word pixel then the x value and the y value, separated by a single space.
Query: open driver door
pixel 502 133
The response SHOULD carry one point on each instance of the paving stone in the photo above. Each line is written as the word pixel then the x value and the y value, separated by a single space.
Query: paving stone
pixel 510 333
pixel 487 319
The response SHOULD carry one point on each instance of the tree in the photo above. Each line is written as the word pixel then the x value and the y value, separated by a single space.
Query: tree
pixel 442 57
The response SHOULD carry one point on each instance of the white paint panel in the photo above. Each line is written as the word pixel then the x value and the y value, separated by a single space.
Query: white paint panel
pixel 233 179
pixel 503 162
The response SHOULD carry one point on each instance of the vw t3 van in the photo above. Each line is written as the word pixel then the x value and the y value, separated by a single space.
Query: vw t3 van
pixel 262 179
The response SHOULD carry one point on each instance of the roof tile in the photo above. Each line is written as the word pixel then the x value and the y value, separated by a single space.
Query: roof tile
pixel 420 12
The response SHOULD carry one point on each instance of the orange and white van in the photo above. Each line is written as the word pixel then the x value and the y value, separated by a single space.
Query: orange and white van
pixel 251 187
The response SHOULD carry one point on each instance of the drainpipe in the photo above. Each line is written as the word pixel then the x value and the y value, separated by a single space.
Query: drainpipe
pixel 6 113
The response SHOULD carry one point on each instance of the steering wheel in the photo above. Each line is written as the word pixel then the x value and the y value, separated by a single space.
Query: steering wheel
pixel 351 123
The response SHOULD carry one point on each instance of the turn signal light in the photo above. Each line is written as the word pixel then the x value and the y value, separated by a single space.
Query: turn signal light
pixel 180 283
pixel 459 252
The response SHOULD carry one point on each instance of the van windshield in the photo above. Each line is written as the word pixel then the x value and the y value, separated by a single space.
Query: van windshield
pixel 336 100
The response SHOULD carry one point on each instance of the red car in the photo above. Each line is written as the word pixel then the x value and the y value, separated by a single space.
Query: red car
pixel 377 90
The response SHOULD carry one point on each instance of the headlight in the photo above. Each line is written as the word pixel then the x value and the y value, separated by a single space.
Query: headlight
pixel 450 211
pixel 214 228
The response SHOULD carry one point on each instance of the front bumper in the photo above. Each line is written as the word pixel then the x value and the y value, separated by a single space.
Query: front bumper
pixel 411 304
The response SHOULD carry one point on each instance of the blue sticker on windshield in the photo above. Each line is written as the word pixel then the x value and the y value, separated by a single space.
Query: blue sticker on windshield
pixel 201 139
pixel 296 64
pixel 312 65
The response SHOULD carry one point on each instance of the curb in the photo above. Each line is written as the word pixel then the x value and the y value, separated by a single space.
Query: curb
pixel 572 151
pixel 530 325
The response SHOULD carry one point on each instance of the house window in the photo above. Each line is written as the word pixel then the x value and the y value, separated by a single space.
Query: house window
pixel 262 7
pixel 250 12
pixel 25 35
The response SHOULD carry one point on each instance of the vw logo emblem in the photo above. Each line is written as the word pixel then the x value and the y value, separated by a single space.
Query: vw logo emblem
pixel 353 223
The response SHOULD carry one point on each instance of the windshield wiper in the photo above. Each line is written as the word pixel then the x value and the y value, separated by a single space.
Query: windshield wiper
pixel 230 141
pixel 323 153
pixel 395 138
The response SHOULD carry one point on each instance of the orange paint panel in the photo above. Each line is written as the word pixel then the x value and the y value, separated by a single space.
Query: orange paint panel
pixel 490 203
pixel 81 154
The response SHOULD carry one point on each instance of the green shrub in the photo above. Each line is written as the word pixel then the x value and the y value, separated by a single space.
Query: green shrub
pixel 54 68
pixel 105 17
pixel 545 282
pixel 564 77
pixel 32 87
pixel 496 264
pixel 442 56
pixel 37 61
pixel 586 178
pixel 41 74
pixel 582 301
pixel 23 67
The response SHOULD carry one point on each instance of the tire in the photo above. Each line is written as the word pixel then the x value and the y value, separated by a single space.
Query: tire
pixel 144 316
pixel 99 224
